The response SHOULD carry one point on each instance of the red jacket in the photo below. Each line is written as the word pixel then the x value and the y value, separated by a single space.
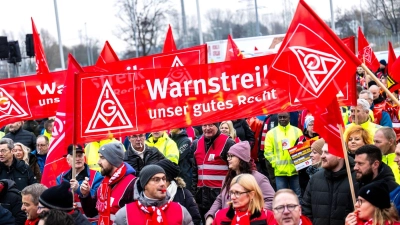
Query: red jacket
pixel 226 215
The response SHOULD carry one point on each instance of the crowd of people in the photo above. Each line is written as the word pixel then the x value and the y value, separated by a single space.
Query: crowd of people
pixel 229 172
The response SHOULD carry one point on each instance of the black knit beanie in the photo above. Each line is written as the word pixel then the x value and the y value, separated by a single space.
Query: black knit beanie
pixel 58 197
pixel 171 169
pixel 148 172
pixel 376 193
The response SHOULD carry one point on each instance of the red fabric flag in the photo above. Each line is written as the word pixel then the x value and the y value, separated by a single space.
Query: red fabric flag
pixel 63 128
pixel 169 43
pixel 326 123
pixel 314 62
pixel 41 63
pixel 107 55
pixel 393 79
pixel 232 50
pixel 350 42
pixel 391 57
pixel 365 52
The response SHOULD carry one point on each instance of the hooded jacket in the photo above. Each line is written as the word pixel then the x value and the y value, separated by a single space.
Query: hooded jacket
pixel 10 199
pixel 327 199
pixel 186 157
pixel 151 155
pixel 385 174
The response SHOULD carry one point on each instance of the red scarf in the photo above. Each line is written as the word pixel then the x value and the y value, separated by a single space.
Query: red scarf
pixel 154 215
pixel 104 193
pixel 241 218
pixel 32 222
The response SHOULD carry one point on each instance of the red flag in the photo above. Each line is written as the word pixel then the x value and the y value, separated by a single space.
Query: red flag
pixel 169 43
pixel 232 51
pixel 41 63
pixel 393 79
pixel 326 123
pixel 365 52
pixel 107 55
pixel 255 48
pixel 63 128
pixel 314 62
pixel 391 57
pixel 350 42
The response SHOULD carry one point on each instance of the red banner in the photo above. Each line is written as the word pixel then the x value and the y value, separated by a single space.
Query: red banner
pixel 350 42
pixel 365 52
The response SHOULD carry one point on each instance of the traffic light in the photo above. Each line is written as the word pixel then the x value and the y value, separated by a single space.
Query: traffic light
pixel 30 49
pixel 3 48
pixel 15 53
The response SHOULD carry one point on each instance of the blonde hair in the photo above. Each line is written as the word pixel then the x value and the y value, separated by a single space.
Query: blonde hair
pixel 25 149
pixel 382 215
pixel 232 131
pixel 249 183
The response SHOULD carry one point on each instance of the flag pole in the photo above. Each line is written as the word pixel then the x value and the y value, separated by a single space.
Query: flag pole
pixel 346 160
pixel 379 83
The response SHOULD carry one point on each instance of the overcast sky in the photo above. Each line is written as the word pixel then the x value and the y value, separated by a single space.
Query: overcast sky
pixel 99 15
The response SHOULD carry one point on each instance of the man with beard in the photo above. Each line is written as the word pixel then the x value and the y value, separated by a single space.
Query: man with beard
pixel 327 199
pixel 361 79
pixel 370 168
pixel 116 189
pixel 210 165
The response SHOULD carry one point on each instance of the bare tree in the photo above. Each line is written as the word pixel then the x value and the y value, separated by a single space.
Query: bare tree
pixel 142 22
pixel 386 12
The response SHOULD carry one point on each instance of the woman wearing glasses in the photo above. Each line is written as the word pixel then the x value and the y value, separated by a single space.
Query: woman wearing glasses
pixel 239 162
pixel 246 205
pixel 373 207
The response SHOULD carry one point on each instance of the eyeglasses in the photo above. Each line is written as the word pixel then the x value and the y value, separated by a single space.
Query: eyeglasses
pixel 41 145
pixel 137 136
pixel 229 156
pixel 289 207
pixel 359 201
pixel 3 151
pixel 237 194
pixel 158 179
pixel 39 208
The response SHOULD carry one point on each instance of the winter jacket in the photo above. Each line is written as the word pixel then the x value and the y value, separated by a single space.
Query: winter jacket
pixel 151 155
pixel 327 199
pixel 23 136
pixel 41 159
pixel 6 218
pixel 79 218
pixel 67 176
pixel 10 199
pixel 223 198
pixel 184 197
pixel 206 196
pixel 92 152
pixel 166 146
pixel 185 157
pixel 19 172
pixel 121 218
pixel 225 216
pixel 385 174
pixel 395 198
pixel 33 164
pixel 243 131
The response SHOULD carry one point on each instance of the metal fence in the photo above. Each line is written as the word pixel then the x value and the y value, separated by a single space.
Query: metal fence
pixel 380 43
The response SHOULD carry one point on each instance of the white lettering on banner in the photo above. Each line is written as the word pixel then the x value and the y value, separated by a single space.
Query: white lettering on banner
pixel 108 106
pixel 368 54
pixel 58 129
pixel 243 100
pixel 9 107
pixel 49 90
pixel 159 88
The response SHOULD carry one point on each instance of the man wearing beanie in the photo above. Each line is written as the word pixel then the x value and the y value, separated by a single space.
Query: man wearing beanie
pixel 82 171
pixel 210 165
pixel 60 198
pixel 176 188
pixel 116 189
pixel 277 142
pixel 154 205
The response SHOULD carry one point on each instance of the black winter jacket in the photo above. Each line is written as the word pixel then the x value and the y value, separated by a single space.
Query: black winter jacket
pixel 79 218
pixel 206 196
pixel 151 155
pixel 23 136
pixel 185 157
pixel 385 174
pixel 184 197
pixel 327 199
pixel 6 217
pixel 19 172
pixel 10 199
pixel 243 131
